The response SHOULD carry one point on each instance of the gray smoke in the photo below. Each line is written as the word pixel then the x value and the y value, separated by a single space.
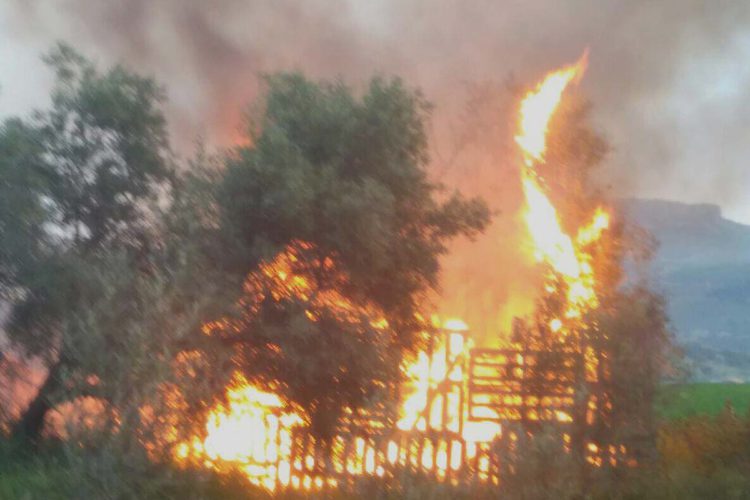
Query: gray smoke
pixel 669 79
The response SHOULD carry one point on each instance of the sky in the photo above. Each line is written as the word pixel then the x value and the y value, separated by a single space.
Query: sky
pixel 669 80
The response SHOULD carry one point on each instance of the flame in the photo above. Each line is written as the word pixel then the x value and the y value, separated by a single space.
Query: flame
pixel 539 104
pixel 565 255
pixel 254 429
pixel 252 432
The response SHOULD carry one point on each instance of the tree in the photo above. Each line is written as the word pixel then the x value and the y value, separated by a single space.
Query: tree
pixel 105 149
pixel 613 358
pixel 639 351
pixel 23 212
pixel 102 150
pixel 339 181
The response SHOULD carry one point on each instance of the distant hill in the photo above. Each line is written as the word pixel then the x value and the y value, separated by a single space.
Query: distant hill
pixel 702 265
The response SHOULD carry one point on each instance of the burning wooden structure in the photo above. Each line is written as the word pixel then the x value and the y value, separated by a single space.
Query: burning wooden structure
pixel 465 409
pixel 458 423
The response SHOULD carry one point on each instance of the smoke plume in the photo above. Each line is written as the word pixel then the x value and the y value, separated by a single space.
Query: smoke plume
pixel 665 79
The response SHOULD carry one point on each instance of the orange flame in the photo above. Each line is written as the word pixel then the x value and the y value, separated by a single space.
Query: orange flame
pixel 539 104
pixel 254 431
pixel 565 255
pixel 251 432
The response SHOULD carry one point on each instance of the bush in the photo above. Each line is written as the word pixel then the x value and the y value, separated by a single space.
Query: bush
pixel 59 472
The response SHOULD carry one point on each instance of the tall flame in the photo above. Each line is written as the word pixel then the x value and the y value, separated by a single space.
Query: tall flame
pixel 254 430
pixel 539 104
pixel 552 245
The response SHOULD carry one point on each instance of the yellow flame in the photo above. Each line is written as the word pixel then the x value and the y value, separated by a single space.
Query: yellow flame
pixel 539 104
pixel 592 232
pixel 254 430
pixel 419 411
pixel 565 255
pixel 251 432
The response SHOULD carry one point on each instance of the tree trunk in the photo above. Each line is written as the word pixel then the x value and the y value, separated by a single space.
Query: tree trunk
pixel 31 423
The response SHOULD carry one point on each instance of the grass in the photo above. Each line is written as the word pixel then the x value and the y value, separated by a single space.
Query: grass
pixel 685 400
pixel 24 476
pixel 50 476
pixel 51 473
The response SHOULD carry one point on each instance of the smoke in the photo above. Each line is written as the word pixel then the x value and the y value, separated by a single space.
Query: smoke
pixel 666 80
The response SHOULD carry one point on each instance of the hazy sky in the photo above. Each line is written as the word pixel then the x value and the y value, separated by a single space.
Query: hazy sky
pixel 669 80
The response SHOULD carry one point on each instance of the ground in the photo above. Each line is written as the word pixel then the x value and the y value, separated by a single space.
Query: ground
pixel 45 476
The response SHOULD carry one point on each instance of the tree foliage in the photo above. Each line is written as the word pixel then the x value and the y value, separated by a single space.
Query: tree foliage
pixel 105 150
pixel 101 151
pixel 23 211
pixel 339 179
pixel 301 261
pixel 348 176
pixel 345 176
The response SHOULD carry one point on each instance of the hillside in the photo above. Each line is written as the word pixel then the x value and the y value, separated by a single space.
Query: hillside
pixel 702 265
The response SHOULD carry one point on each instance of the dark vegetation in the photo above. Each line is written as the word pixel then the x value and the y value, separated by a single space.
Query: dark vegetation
pixel 132 276
pixel 128 273
pixel 704 455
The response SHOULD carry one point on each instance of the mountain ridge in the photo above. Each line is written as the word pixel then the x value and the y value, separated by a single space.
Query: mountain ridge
pixel 702 266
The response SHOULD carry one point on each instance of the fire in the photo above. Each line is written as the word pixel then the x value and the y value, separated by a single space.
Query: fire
pixel 425 373
pixel 565 255
pixel 427 407
pixel 252 431
pixel 538 106
pixel 451 409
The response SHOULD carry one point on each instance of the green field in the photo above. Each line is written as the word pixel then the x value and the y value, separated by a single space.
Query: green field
pixel 684 400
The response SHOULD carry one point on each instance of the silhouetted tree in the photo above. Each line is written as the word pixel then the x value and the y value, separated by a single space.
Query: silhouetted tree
pixel 346 176
pixel 102 150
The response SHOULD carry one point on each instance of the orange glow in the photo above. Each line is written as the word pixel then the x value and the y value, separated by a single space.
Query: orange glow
pixel 539 104
pixel 566 256
pixel 253 431
pixel 425 375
